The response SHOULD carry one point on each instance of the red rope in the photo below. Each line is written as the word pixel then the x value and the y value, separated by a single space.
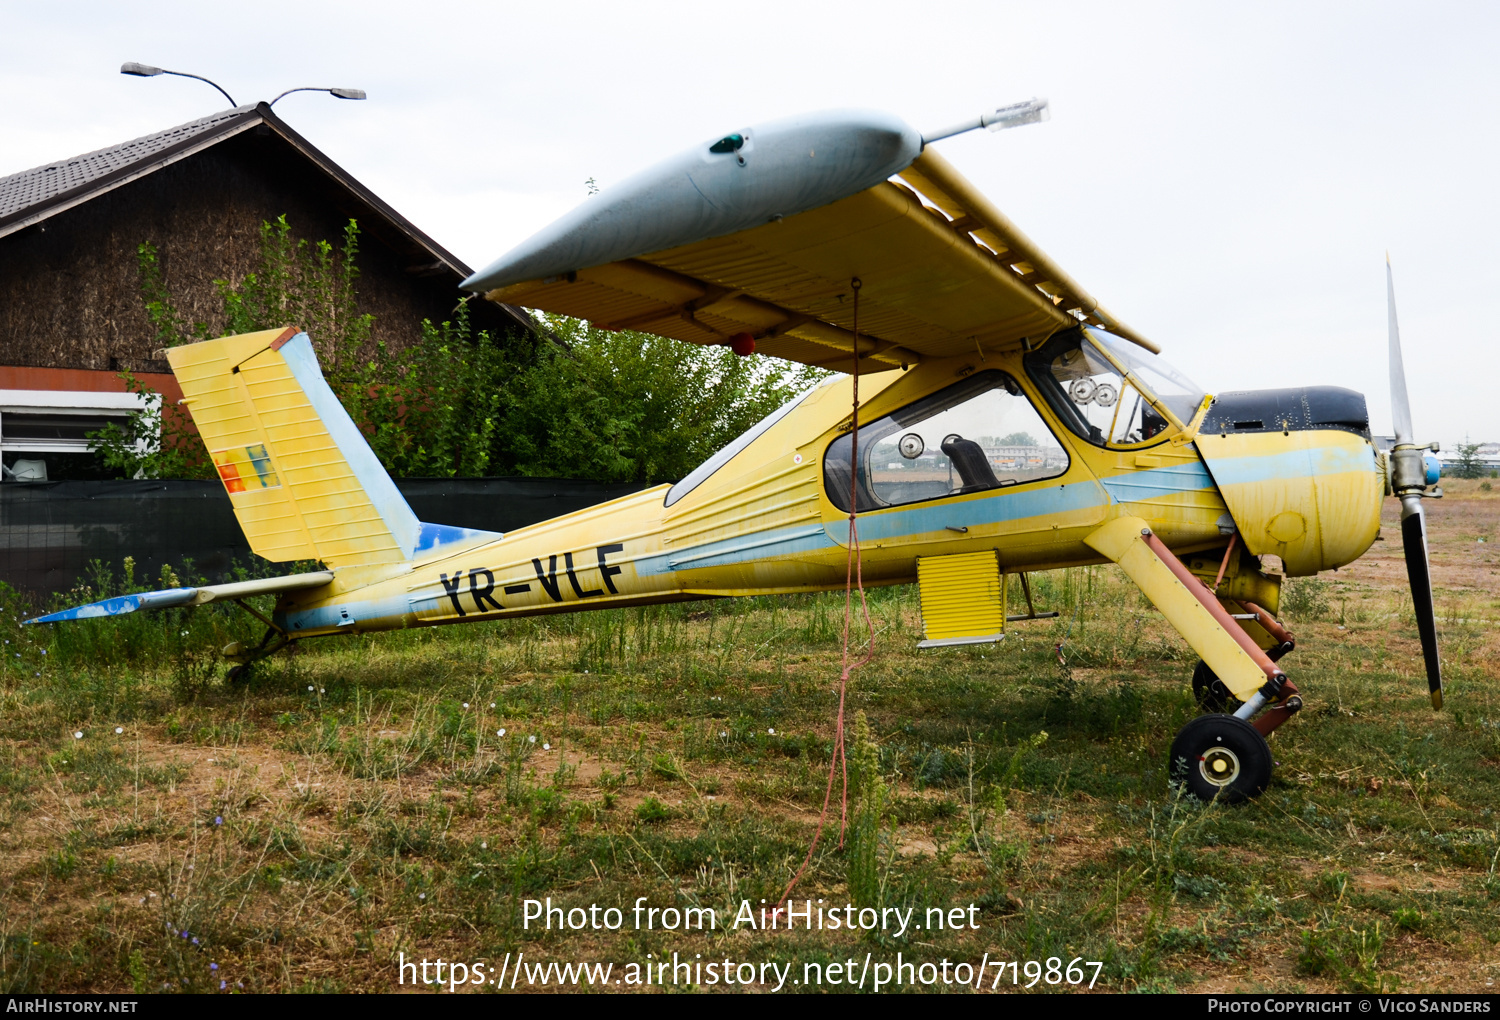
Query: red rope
pixel 853 580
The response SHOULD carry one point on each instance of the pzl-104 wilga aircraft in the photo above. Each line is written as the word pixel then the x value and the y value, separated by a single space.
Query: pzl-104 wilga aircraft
pixel 1007 423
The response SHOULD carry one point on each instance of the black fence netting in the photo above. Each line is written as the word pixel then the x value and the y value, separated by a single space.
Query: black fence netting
pixel 51 532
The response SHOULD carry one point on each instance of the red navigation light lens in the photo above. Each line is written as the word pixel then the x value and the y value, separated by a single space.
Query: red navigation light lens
pixel 742 344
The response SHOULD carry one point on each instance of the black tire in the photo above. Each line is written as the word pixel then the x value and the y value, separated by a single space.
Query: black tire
pixel 1210 691
pixel 1221 757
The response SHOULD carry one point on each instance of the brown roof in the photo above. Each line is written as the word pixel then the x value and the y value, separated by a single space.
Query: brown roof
pixel 32 196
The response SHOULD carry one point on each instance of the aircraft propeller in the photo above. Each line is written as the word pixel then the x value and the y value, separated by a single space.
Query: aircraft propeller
pixel 1409 481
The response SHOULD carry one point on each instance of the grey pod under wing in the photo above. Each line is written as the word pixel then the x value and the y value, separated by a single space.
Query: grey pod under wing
pixel 720 187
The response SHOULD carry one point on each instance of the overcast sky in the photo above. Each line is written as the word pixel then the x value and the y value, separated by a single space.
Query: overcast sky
pixel 1225 178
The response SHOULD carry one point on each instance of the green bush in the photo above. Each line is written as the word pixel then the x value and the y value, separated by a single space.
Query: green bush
pixel 1305 598
pixel 569 400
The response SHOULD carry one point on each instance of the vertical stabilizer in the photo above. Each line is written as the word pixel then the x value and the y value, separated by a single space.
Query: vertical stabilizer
pixel 304 483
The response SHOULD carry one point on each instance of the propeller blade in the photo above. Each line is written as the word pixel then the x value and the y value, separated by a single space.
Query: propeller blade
pixel 1400 406
pixel 1408 481
pixel 1414 538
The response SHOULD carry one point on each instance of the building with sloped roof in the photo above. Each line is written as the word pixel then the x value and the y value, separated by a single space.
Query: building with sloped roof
pixel 71 312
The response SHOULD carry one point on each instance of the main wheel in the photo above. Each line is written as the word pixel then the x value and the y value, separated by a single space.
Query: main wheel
pixel 1210 691
pixel 1219 756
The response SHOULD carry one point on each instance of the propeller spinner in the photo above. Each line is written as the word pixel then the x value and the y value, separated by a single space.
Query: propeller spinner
pixel 1409 482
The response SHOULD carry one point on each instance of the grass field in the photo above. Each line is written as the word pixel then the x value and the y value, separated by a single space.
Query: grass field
pixel 163 831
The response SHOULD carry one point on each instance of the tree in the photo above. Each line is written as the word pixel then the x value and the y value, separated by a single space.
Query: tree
pixel 1468 464
pixel 608 406
pixel 627 406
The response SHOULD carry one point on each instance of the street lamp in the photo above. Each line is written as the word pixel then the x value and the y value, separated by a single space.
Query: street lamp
pixel 340 93
pixel 147 71
pixel 1032 111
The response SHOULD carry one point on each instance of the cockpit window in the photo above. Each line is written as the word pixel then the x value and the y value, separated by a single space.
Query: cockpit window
pixel 979 434
pixel 701 473
pixel 1080 375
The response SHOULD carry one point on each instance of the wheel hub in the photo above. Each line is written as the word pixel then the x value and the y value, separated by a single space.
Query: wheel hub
pixel 1219 766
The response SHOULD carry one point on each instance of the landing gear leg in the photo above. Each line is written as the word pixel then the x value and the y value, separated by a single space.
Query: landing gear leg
pixel 1213 696
pixel 273 642
pixel 1210 692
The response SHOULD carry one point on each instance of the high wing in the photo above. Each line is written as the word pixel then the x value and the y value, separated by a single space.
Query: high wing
pixel 762 231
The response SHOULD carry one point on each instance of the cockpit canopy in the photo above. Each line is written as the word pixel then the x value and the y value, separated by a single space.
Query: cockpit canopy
pixel 1108 392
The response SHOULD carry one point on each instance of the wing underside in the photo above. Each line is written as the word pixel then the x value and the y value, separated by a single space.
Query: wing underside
pixel 942 273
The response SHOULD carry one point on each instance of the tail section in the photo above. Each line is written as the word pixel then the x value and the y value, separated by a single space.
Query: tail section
pixel 304 483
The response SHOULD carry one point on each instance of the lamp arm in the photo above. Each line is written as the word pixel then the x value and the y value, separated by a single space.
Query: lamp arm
pixel 184 74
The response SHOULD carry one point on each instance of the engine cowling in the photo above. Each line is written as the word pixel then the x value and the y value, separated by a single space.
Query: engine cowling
pixel 1298 472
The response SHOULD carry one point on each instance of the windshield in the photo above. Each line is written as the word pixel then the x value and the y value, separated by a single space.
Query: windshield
pixel 1079 374
pixel 1169 386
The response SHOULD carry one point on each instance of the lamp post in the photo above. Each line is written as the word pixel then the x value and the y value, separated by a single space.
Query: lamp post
pixel 147 71
pixel 339 93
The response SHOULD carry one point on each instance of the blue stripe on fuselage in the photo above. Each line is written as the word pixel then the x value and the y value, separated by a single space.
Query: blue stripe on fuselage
pixel 1320 460
pixel 1006 504
pixel 1138 486
pixel 1002 505
pixel 758 545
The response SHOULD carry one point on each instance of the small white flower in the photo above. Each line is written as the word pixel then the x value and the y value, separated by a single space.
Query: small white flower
pixel 309 687
pixel 500 732
pixel 78 734
pixel 421 896
pixel 546 747
pixel 184 633
pixel 484 846
pixel 492 704
pixel 772 731
pixel 119 729
pixel 723 733
pixel 466 704
pixel 531 739
pixel 322 690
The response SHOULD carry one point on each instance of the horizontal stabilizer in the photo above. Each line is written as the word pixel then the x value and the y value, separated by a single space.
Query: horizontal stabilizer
pixel 169 597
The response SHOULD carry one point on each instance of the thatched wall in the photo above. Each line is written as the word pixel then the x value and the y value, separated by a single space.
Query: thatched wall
pixel 70 293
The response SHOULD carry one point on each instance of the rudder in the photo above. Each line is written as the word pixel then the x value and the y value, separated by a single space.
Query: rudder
pixel 303 481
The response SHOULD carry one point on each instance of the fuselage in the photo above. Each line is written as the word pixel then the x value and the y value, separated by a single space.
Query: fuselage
pixel 770 513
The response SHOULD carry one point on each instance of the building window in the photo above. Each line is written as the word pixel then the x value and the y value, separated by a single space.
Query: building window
pixel 44 433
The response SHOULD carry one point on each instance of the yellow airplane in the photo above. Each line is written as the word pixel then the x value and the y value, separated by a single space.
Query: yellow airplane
pixel 1007 423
